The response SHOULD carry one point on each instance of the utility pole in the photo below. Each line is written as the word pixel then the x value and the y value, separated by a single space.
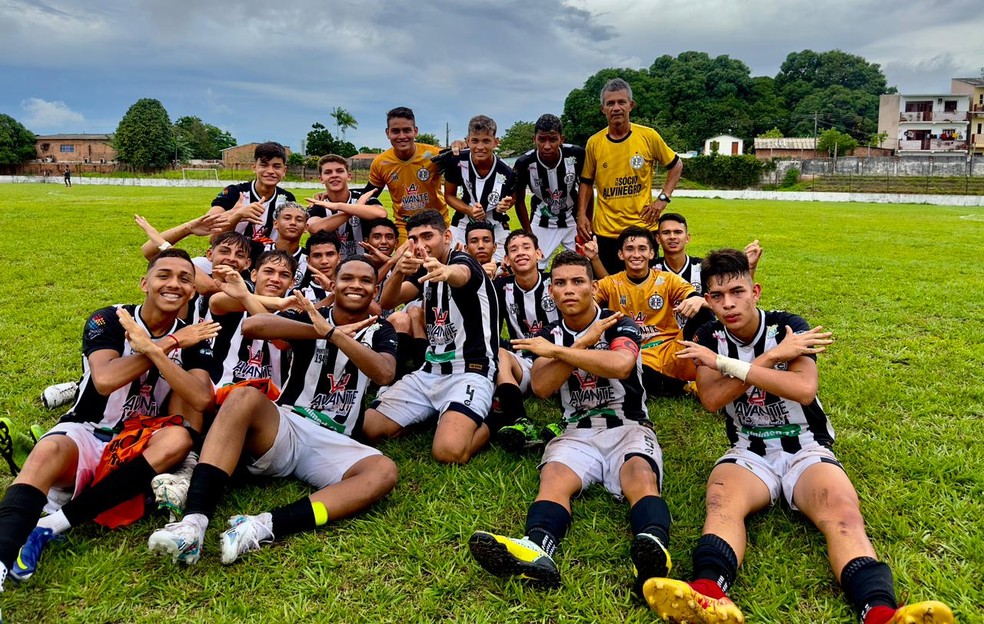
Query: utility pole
pixel 816 120
pixel 447 134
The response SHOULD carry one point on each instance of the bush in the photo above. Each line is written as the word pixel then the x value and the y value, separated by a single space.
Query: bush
pixel 719 171
pixel 790 178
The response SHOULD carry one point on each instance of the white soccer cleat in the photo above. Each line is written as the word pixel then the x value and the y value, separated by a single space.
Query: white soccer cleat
pixel 171 489
pixel 59 394
pixel 245 534
pixel 181 540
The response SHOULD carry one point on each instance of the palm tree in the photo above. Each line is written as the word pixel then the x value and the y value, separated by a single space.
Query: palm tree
pixel 343 120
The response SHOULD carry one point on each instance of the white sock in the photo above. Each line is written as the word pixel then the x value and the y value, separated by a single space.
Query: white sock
pixel 199 521
pixel 57 522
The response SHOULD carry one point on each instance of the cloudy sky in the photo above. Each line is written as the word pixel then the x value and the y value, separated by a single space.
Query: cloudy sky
pixel 268 70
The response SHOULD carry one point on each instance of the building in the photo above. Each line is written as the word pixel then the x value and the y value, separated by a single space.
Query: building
pixel 925 123
pixel 75 148
pixel 724 144
pixel 974 87
pixel 786 147
pixel 240 156
pixel 361 162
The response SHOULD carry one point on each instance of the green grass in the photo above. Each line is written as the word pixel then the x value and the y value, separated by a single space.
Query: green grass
pixel 899 285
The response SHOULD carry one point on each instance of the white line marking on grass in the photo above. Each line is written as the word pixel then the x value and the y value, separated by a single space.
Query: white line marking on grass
pixel 973 217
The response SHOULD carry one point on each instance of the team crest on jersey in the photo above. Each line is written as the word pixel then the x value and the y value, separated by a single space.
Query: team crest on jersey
pixel 548 304
pixel 353 221
pixel 423 174
pixel 637 161
pixel 720 336
pixel 569 177
pixel 656 302
pixel 493 199
pixel 771 331
pixel 623 300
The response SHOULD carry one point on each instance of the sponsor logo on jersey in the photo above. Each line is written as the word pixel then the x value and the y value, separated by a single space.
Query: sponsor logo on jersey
pixel 589 394
pixel 141 403
pixel 441 332
pixel 253 368
pixel 339 384
pixel 413 199
pixel 534 328
pixel 628 186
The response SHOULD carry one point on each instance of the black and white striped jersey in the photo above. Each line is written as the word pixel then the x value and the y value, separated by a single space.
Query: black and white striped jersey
pixel 323 384
pixel 488 191
pixel 463 324
pixel 590 401
pixel 300 256
pixel 690 271
pixel 526 313
pixel 553 190
pixel 145 395
pixel 239 358
pixel 350 233
pixel 229 197
pixel 758 421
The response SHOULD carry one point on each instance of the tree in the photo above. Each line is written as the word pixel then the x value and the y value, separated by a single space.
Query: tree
pixel 877 139
pixel 775 133
pixel 428 138
pixel 518 139
pixel 16 142
pixel 851 111
pixel 343 121
pixel 370 150
pixel 295 160
pixel 145 138
pixel 835 142
pixel 204 141
pixel 321 142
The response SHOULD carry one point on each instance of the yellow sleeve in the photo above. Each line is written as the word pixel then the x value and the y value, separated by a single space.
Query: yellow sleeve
pixel 660 150
pixel 604 293
pixel 375 175
pixel 589 160
pixel 681 288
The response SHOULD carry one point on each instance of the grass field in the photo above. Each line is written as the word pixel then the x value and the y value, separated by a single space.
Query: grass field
pixel 900 286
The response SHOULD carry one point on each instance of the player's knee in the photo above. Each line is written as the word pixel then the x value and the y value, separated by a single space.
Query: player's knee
pixel 170 446
pixel 50 451
pixel 838 511
pixel 447 453
pixel 385 473
pixel 376 426
pixel 241 404
pixel 400 322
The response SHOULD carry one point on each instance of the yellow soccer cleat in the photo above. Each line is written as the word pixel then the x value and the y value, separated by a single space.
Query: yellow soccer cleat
pixel 676 601
pixel 507 556
pixel 928 612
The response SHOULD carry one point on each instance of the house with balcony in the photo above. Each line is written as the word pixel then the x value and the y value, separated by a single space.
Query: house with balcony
pixel 925 123
pixel 75 148
pixel 974 87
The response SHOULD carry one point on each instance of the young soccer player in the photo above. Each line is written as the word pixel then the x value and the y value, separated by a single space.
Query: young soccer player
pixel 462 317
pixel 407 170
pixel 337 353
pixel 591 358
pixel 654 299
pixel 322 257
pixel 760 368
pixel 551 171
pixel 290 223
pixel 250 206
pixel 142 365
pixel 486 183
pixel 480 244
pixel 342 210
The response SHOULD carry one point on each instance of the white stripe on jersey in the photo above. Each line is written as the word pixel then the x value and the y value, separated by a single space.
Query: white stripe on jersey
pixel 527 312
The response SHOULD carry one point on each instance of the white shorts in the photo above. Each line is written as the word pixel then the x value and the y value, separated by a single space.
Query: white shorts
pixel 597 455
pixel 90 453
pixel 458 236
pixel 309 452
pixel 526 370
pixel 780 471
pixel 552 238
pixel 420 395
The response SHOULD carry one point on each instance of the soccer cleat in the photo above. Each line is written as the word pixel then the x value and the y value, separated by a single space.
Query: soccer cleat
pixel 551 431
pixel 181 540
pixel 650 559
pixel 690 388
pixel 507 556
pixel 171 489
pixel 15 445
pixel 676 601
pixel 518 436
pixel 928 612
pixel 26 563
pixel 245 534
pixel 59 394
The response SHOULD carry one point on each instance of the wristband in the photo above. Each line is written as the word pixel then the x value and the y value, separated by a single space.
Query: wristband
pixel 331 332
pixel 177 343
pixel 732 367
pixel 164 245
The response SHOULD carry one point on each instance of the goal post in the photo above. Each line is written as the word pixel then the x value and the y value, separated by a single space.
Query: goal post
pixel 195 173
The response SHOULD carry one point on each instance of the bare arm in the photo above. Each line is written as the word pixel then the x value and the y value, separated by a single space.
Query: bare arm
pixel 522 211
pixel 585 196
pixel 204 225
pixel 474 211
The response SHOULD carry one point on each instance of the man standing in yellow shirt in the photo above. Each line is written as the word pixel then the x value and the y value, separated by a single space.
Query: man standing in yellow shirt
pixel 407 171
pixel 619 163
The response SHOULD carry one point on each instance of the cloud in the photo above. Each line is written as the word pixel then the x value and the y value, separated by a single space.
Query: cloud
pixel 50 115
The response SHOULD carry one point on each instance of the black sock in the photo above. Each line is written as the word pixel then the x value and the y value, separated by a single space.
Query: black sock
pixel 293 518
pixel 868 583
pixel 659 385
pixel 404 354
pixel 715 560
pixel 19 512
pixel 419 350
pixel 704 315
pixel 207 485
pixel 546 524
pixel 511 407
pixel 651 515
pixel 119 486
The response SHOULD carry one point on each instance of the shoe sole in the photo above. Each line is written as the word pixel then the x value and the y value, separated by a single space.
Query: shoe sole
pixel 649 562
pixel 674 602
pixel 496 559
pixel 7 446
pixel 514 441
pixel 164 546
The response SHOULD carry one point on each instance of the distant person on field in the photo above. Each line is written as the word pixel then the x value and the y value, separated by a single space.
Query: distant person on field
pixel 551 172
pixel 619 162
pixel 68 176
pixel 760 368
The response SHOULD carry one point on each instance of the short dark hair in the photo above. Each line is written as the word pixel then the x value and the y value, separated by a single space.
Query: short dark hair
pixel 634 231
pixel 481 124
pixel 479 225
pixel 572 258
pixel 548 123
pixel 323 238
pixel 270 150
pixel 383 222
pixel 171 252
pixel 279 210
pixel 673 216
pixel 276 256
pixel 427 217
pixel 356 258
pixel 332 158
pixel 400 112
pixel 520 232
pixel 724 264
pixel 234 239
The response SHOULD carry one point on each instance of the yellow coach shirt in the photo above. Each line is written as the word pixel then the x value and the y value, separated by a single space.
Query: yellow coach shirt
pixel 622 172
pixel 414 184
